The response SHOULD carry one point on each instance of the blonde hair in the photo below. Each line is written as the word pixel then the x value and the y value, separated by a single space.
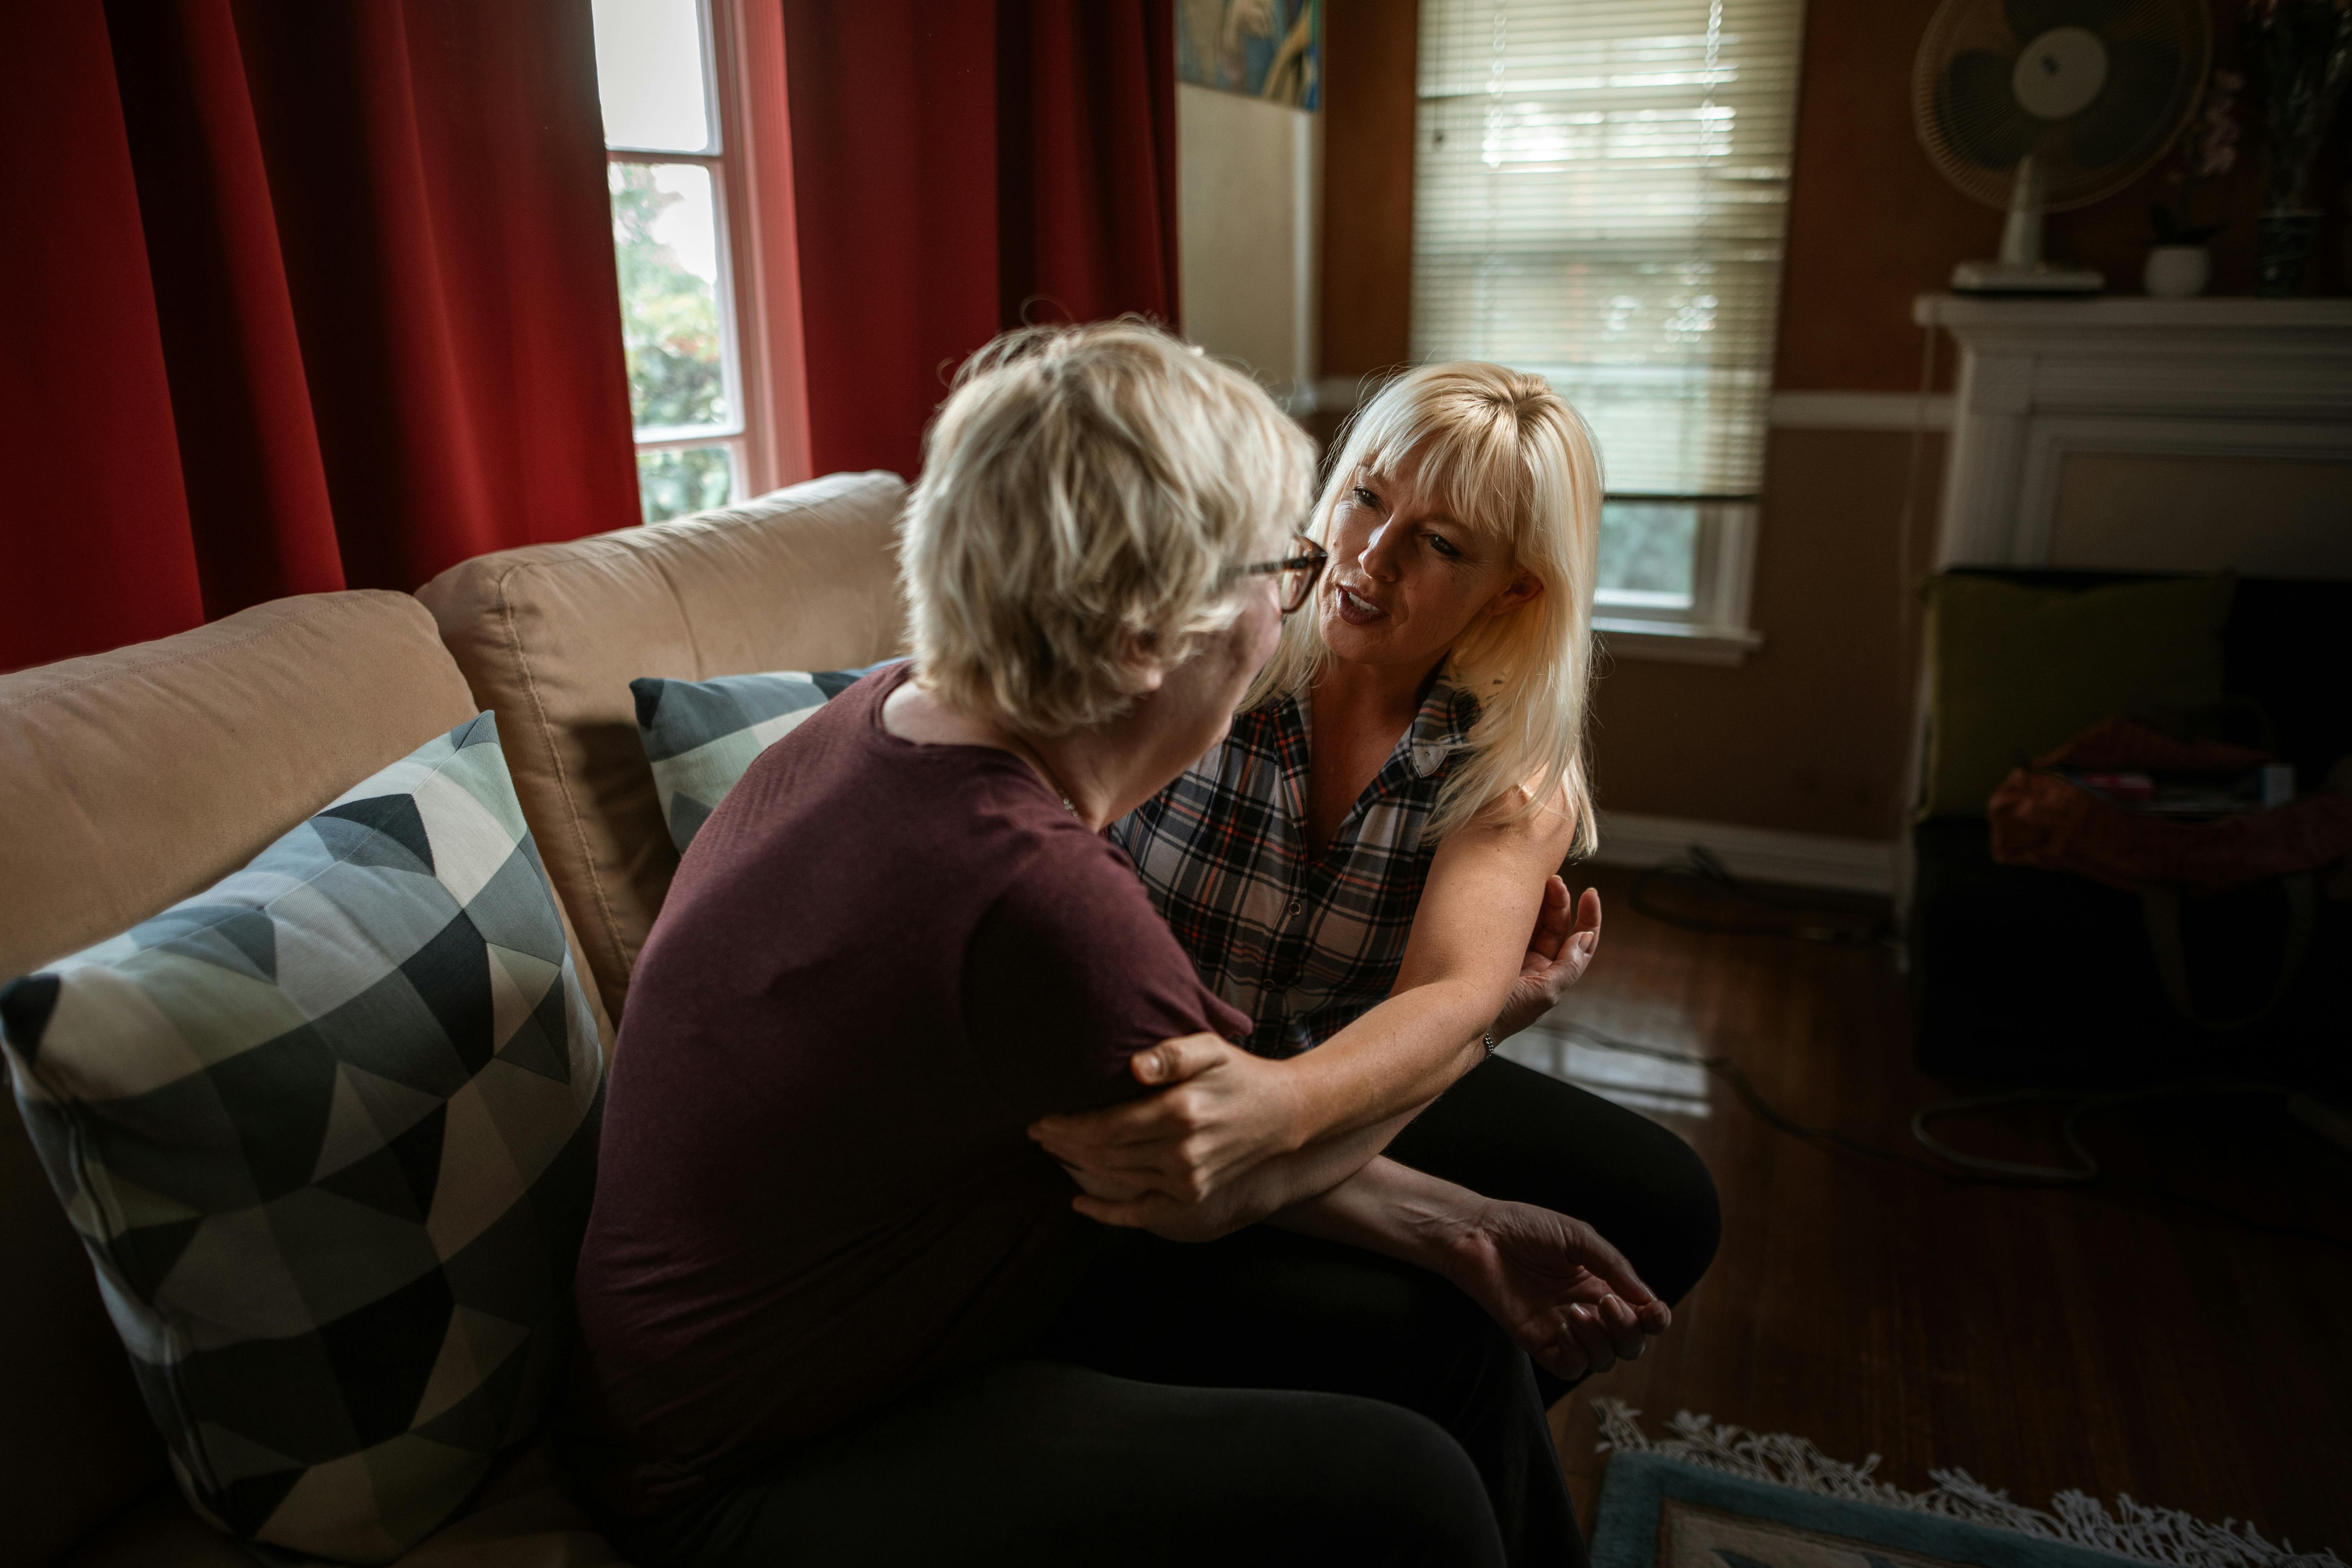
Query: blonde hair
pixel 1086 493
pixel 1503 455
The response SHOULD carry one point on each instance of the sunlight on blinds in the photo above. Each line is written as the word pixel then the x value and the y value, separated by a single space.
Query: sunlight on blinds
pixel 1599 191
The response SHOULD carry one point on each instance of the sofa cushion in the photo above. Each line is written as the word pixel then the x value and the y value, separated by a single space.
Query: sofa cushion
pixel 132 778
pixel 2015 671
pixel 550 637
pixel 522 1520
pixel 699 735
pixel 328 1131
pixel 127 780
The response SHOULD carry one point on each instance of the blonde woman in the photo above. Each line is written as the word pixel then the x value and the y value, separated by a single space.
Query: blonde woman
pixel 1358 864
pixel 834 1304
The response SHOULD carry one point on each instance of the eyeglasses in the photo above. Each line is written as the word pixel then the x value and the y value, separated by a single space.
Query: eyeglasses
pixel 1298 572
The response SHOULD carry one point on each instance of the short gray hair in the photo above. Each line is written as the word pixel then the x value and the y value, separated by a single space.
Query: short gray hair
pixel 1085 492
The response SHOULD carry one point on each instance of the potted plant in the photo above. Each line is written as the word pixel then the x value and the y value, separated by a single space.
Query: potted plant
pixel 2177 264
pixel 2297 53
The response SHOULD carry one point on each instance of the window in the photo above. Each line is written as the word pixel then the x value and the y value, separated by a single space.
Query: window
pixel 1600 188
pixel 686 234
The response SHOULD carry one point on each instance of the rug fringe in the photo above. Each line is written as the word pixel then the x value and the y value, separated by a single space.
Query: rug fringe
pixel 2160 1535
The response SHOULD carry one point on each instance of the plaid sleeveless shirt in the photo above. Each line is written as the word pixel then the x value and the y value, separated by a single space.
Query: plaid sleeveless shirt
pixel 1303 946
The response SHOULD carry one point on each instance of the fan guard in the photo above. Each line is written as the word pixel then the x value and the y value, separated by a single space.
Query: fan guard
pixel 2093 91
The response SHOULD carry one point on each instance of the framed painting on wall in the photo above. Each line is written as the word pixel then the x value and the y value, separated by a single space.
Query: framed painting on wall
pixel 1271 49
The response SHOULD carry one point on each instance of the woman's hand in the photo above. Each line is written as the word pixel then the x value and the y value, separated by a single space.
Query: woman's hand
pixel 1222 1213
pixel 1564 1295
pixel 1557 957
pixel 1221 1113
pixel 1121 1203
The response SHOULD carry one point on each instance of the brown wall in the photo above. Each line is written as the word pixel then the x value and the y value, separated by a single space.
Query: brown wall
pixel 1808 734
pixel 1870 224
pixel 1368 81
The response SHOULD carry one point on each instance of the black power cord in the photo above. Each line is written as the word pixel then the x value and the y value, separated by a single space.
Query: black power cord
pixel 1804 920
pixel 1960 1170
pixel 1809 920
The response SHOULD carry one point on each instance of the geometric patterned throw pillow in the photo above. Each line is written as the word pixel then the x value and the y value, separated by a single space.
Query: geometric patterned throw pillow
pixel 327 1130
pixel 701 735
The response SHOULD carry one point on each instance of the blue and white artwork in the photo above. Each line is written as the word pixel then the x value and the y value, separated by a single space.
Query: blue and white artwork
pixel 1271 49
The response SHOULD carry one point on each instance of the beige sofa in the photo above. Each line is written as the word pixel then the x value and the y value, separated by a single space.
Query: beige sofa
pixel 133 778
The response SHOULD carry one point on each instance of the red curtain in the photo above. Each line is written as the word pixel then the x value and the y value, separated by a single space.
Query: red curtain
pixel 962 166
pixel 301 297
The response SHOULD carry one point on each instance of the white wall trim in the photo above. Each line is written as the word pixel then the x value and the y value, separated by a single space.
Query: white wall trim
pixel 1760 854
pixel 1861 411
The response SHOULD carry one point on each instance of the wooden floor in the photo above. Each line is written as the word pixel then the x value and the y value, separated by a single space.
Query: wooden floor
pixel 2113 1343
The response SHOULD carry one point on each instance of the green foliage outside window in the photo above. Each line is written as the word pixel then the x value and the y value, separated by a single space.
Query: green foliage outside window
pixel 670 330
pixel 1649 549
pixel 670 317
pixel 681 480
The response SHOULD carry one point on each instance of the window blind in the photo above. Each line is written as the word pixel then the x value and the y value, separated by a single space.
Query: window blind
pixel 1600 191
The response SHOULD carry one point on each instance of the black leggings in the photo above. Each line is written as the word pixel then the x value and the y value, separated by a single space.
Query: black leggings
pixel 1265 1398
pixel 1045 1463
pixel 1509 1131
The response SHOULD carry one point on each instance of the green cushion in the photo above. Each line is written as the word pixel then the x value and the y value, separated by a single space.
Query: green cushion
pixel 2016 671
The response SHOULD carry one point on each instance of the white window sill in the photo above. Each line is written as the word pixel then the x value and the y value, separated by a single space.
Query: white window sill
pixel 1674 642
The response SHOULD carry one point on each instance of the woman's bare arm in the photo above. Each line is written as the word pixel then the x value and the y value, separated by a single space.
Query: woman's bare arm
pixel 1224 1111
pixel 1266 1189
pixel 1563 1293
pixel 1556 1285
pixel 1486 890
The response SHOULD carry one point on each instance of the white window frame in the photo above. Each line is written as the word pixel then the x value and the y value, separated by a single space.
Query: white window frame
pixel 1713 626
pixel 761 452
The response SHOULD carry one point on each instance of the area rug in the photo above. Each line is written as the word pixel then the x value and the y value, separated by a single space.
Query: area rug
pixel 1718 1497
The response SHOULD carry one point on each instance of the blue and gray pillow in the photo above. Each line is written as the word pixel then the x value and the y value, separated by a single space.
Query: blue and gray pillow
pixel 328 1131
pixel 701 736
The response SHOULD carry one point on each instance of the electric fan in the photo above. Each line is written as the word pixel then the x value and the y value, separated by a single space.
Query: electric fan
pixel 2042 105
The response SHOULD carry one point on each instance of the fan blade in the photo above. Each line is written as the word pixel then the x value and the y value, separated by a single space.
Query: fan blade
pixel 2029 19
pixel 2129 107
pixel 1978 113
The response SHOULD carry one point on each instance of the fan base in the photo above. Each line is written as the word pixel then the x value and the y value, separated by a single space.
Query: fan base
pixel 2024 277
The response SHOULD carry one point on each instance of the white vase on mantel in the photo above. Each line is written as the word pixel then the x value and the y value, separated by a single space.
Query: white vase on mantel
pixel 2176 271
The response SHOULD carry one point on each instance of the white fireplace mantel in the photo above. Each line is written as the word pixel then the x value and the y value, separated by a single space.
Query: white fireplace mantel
pixel 2041 380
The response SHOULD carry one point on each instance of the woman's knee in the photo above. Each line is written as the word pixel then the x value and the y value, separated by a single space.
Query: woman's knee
pixel 1644 1186
pixel 1684 1224
pixel 1394 1488
pixel 1649 1193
